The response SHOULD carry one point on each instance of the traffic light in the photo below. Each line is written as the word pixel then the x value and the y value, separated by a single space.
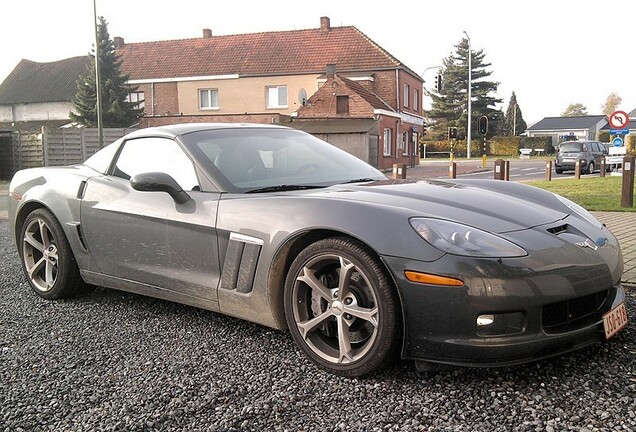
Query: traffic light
pixel 452 133
pixel 438 82
pixel 483 125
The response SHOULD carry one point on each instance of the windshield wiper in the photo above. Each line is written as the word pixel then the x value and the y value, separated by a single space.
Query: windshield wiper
pixel 360 180
pixel 283 188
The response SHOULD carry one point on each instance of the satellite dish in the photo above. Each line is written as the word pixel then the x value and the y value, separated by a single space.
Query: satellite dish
pixel 302 97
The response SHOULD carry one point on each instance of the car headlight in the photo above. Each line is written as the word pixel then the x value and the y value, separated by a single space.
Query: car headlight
pixel 580 211
pixel 458 239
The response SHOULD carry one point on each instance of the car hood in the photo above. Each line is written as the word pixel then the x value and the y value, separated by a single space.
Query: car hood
pixel 495 206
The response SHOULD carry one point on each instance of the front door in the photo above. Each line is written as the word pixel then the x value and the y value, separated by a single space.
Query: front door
pixel 147 237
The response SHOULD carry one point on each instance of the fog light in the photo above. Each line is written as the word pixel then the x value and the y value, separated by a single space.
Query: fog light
pixel 502 324
pixel 485 320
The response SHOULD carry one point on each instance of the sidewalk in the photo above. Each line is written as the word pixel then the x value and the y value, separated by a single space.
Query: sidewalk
pixel 622 224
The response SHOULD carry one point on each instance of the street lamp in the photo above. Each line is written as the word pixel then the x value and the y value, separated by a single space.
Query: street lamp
pixel 470 85
pixel 98 91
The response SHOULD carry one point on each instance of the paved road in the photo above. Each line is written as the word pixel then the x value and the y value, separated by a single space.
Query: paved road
pixel 520 169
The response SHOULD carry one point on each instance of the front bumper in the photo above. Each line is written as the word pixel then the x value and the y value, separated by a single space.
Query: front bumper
pixel 557 293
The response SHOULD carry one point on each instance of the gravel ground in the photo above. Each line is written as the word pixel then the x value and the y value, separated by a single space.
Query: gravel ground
pixel 111 361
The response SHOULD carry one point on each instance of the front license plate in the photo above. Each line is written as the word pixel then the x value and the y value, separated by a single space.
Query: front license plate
pixel 614 320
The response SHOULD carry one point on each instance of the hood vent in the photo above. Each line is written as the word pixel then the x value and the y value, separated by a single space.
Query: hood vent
pixel 558 230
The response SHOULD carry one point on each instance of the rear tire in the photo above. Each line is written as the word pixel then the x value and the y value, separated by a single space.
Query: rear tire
pixel 591 168
pixel 47 259
pixel 341 308
pixel 558 170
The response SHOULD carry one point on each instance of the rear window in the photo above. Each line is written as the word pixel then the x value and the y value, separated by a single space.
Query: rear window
pixel 570 147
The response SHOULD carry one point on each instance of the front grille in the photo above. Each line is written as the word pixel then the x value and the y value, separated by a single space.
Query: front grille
pixel 573 314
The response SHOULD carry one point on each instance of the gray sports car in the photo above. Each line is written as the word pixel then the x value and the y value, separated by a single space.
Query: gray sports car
pixel 272 225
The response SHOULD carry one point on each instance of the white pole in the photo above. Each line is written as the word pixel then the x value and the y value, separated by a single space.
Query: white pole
pixel 470 96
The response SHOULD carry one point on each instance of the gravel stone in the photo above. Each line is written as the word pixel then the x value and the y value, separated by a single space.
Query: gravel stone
pixel 113 361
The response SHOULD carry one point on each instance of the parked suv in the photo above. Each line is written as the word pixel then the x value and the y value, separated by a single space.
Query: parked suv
pixel 590 153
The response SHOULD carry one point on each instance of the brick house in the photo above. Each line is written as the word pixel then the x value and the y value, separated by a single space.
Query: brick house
pixel 280 77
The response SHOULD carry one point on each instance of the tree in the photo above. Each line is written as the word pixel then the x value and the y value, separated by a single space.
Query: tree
pixel 514 123
pixel 450 105
pixel 611 103
pixel 575 109
pixel 116 111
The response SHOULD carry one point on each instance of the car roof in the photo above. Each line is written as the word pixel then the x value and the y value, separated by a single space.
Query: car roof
pixel 185 128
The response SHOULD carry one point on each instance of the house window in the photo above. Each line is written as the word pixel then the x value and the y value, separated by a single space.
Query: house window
pixel 209 99
pixel 387 142
pixel 416 100
pixel 136 98
pixel 342 104
pixel 277 97
pixel 405 143
pixel 407 93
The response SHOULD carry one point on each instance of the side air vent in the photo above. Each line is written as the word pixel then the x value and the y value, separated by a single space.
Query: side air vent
pixel 240 263
pixel 558 230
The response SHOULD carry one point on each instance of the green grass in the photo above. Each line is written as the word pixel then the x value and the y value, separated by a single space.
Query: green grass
pixel 592 193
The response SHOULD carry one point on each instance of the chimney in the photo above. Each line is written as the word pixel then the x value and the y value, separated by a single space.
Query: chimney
pixel 207 33
pixel 325 23
pixel 118 42
pixel 331 70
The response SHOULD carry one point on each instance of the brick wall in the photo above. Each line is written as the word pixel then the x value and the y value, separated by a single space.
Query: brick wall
pixel 164 100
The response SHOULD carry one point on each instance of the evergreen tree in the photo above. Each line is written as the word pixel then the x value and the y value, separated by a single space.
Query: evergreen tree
pixel 116 111
pixel 514 123
pixel 450 107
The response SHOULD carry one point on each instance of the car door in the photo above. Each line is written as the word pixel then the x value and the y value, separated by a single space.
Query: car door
pixel 147 237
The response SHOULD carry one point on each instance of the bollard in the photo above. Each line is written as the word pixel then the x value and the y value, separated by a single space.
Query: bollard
pixel 499 169
pixel 452 170
pixel 507 170
pixel 548 171
pixel 603 168
pixel 577 169
pixel 399 171
pixel 627 194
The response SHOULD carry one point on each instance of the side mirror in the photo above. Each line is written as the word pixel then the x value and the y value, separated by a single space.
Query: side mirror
pixel 159 182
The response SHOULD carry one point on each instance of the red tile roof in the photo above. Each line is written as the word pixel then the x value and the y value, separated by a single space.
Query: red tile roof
pixel 372 99
pixel 271 53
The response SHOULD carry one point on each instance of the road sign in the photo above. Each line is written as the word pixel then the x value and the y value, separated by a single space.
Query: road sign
pixel 619 120
pixel 613 160
pixel 619 131
pixel 617 142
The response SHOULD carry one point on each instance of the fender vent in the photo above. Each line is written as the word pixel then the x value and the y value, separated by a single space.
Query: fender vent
pixel 240 263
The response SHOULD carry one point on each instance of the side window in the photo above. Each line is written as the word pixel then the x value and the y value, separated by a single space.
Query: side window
pixel 156 155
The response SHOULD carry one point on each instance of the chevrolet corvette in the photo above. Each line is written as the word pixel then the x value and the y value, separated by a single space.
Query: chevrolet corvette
pixel 272 225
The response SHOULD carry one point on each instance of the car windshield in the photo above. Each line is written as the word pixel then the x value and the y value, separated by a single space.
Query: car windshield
pixel 570 147
pixel 264 159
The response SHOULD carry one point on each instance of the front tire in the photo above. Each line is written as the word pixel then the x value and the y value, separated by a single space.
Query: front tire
pixel 341 308
pixel 47 259
pixel 591 168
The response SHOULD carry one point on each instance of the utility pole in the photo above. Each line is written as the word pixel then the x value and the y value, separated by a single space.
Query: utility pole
pixel 100 129
pixel 470 85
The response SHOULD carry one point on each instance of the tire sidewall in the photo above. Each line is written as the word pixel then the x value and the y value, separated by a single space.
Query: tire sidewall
pixel 66 266
pixel 385 344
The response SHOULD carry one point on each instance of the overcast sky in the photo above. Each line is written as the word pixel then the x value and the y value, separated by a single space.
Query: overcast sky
pixel 550 53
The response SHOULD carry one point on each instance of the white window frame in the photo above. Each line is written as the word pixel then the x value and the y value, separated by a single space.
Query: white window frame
pixel 407 94
pixel 416 100
pixel 270 91
pixel 387 142
pixel 209 92
pixel 138 98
